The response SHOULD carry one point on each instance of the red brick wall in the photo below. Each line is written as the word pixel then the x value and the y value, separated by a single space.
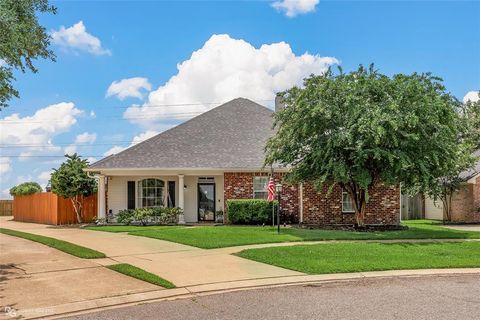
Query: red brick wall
pixel 319 208
pixel 465 203
pixel 239 185
pixel 323 208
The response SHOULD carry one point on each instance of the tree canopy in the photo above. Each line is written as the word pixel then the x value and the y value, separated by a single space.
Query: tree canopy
pixel 363 128
pixel 22 40
pixel 25 188
pixel 71 181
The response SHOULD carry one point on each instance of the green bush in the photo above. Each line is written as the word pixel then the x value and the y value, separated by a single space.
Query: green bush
pixel 144 216
pixel 25 188
pixel 250 211
pixel 125 216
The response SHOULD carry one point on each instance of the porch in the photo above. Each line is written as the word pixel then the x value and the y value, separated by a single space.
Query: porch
pixel 199 194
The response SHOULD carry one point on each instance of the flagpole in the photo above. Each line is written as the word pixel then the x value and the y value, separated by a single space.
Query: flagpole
pixel 273 202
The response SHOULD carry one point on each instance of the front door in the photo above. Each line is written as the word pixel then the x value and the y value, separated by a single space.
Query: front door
pixel 206 202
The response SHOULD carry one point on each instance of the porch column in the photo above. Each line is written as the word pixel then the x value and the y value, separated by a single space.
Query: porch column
pixel 101 197
pixel 181 199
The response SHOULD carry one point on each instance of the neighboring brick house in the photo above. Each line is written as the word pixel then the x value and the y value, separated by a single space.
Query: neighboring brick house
pixel 216 156
pixel 465 202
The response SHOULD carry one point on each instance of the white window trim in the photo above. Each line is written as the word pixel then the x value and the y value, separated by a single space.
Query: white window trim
pixel 165 182
pixel 253 186
pixel 343 209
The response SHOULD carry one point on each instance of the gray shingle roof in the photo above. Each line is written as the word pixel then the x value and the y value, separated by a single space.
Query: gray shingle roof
pixel 468 174
pixel 232 135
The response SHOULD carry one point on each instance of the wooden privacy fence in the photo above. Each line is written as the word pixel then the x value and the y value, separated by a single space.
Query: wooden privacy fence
pixel 48 208
pixel 6 207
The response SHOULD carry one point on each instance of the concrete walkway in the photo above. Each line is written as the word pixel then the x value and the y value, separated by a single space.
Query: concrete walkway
pixel 183 265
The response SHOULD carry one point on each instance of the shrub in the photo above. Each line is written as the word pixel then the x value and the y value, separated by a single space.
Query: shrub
pixel 145 215
pixel 250 211
pixel 125 216
pixel 25 188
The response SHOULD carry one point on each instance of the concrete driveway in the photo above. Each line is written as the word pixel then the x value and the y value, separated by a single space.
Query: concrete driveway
pixel 35 277
pixel 181 264
pixel 464 227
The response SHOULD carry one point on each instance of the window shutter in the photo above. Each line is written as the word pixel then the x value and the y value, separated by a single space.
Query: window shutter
pixel 131 195
pixel 171 194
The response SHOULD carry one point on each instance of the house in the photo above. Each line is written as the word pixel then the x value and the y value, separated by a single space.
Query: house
pixel 465 202
pixel 216 156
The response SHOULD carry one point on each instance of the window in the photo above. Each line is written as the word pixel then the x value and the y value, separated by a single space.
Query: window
pixel 347 203
pixel 260 187
pixel 150 193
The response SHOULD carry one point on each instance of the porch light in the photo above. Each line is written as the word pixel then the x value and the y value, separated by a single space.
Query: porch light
pixel 278 187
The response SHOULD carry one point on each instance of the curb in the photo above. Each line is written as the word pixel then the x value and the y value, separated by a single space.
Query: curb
pixel 82 307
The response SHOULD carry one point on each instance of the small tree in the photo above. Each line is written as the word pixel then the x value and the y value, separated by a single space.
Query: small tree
pixel 72 182
pixel 25 188
pixel 363 128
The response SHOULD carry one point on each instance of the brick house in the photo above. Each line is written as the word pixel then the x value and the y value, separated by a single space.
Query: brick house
pixel 465 202
pixel 218 155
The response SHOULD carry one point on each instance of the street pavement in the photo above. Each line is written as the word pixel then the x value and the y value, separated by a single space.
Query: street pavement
pixel 428 297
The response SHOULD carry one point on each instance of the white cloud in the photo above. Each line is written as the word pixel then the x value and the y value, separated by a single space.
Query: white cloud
pixel 137 139
pixel 92 114
pixel 5 194
pixel 44 177
pixel 5 165
pixel 82 139
pixel 86 138
pixel 224 69
pixel 129 88
pixel 472 96
pixel 32 135
pixel 76 38
pixel 22 179
pixel 70 150
pixel 295 7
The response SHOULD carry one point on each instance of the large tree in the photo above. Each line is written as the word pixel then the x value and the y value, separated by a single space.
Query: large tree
pixel 72 182
pixel 22 40
pixel 363 128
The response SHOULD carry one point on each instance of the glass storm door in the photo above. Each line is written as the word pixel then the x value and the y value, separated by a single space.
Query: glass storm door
pixel 206 202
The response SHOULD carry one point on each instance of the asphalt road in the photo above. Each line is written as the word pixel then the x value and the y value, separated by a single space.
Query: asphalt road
pixel 433 297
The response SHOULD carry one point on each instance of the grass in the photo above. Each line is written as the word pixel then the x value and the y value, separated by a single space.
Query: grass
pixel 61 245
pixel 358 257
pixel 141 274
pixel 228 236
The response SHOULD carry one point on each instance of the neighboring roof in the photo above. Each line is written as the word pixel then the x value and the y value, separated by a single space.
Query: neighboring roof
pixel 468 174
pixel 232 135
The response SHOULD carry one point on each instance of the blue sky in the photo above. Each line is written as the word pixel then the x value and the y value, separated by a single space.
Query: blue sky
pixel 150 45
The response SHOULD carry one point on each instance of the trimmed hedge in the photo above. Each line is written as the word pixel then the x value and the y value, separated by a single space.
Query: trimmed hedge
pixel 250 211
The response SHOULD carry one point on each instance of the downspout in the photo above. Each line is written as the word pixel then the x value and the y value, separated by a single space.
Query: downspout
pixel 401 202
pixel 300 198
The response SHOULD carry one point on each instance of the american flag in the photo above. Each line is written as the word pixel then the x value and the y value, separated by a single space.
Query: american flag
pixel 271 190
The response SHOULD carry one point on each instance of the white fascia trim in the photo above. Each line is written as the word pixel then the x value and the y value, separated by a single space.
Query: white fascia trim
pixel 99 170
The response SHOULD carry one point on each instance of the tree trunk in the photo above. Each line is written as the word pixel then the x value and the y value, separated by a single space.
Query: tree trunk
pixel 359 204
pixel 77 206
pixel 447 206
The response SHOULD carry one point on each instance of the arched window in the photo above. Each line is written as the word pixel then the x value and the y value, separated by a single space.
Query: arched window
pixel 150 193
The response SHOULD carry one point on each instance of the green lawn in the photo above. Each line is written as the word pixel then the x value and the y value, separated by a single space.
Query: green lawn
pixel 357 257
pixel 61 245
pixel 141 274
pixel 227 236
